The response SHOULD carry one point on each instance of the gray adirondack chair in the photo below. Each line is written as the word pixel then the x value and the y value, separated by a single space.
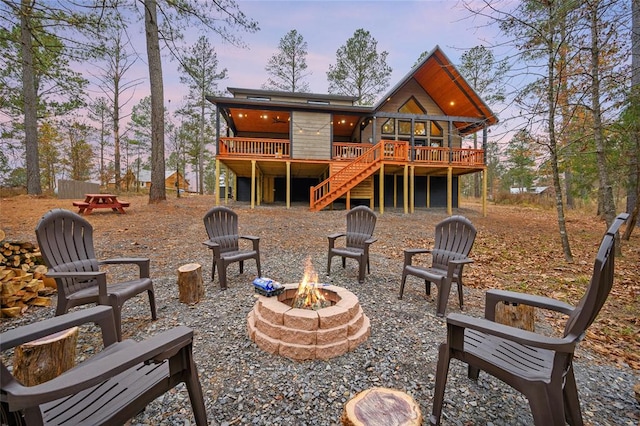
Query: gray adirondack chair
pixel 108 388
pixel 361 222
pixel 221 224
pixel 454 237
pixel 66 243
pixel 538 366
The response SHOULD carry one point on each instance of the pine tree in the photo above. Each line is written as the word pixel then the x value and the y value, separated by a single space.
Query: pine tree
pixel 287 68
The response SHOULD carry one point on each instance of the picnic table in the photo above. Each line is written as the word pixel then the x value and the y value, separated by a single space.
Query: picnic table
pixel 100 201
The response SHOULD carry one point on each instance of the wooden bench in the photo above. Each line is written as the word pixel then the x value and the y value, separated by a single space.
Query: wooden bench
pixel 80 204
pixel 124 203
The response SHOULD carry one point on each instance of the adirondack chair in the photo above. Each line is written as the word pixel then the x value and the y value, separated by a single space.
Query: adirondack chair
pixel 454 237
pixel 108 388
pixel 66 243
pixel 538 366
pixel 221 224
pixel 361 221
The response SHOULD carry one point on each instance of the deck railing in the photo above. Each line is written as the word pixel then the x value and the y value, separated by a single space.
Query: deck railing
pixel 347 151
pixel 254 147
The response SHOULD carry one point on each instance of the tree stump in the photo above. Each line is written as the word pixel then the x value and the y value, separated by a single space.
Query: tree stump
pixel 44 359
pixel 516 315
pixel 190 286
pixel 381 407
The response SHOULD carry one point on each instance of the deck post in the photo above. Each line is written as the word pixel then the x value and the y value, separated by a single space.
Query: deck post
pixel 412 189
pixel 253 183
pixel 217 187
pixel 348 205
pixel 288 195
pixel 381 189
pixel 484 192
pixel 405 189
pixel 449 190
pixel 395 190
pixel 428 192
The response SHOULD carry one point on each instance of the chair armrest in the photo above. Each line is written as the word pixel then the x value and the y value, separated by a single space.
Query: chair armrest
pixel 213 246
pixel 254 240
pixel 524 337
pixel 454 263
pixel 409 253
pixel 100 276
pixel 333 237
pixel 370 241
pixel 90 373
pixel 101 315
pixel 141 262
pixel 493 297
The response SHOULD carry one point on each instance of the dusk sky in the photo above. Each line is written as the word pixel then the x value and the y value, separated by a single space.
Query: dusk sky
pixel 403 28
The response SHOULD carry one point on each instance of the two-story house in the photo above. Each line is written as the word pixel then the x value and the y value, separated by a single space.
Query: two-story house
pixel 406 150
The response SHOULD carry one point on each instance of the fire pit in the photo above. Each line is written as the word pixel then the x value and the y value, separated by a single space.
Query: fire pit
pixel 317 331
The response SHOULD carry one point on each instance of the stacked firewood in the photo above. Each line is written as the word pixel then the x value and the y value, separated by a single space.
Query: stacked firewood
pixel 22 278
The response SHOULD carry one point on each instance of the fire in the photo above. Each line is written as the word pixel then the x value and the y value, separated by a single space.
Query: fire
pixel 308 295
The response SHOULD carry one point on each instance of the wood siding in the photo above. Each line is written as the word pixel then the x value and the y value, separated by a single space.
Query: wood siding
pixel 311 136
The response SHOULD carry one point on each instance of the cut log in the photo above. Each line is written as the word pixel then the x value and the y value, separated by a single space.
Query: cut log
pixel 381 407
pixel 44 359
pixel 516 315
pixel 190 286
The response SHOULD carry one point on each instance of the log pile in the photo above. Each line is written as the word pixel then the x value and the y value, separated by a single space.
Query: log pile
pixel 22 278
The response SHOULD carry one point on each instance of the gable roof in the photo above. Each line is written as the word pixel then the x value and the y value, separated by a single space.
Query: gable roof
pixel 251 110
pixel 449 90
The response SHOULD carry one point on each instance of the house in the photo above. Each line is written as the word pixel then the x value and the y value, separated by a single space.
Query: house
pixel 170 180
pixel 406 150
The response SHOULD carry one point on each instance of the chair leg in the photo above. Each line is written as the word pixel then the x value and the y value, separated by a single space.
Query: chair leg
pixel 361 269
pixel 222 275
pixel 443 297
pixel 241 266
pixel 460 294
pixel 427 287
pixel 195 393
pixel 572 413
pixel 329 264
pixel 344 262
pixel 213 269
pixel 152 304
pixel 258 265
pixel 404 280
pixel 442 372
pixel 368 265
pixel 117 316
pixel 547 405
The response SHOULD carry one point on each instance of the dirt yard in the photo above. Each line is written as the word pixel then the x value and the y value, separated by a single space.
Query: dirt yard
pixel 516 248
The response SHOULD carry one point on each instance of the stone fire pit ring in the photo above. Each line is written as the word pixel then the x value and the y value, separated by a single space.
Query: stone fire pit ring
pixel 305 334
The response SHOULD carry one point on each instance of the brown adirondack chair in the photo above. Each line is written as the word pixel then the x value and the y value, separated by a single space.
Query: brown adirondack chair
pixel 538 366
pixel 66 243
pixel 454 237
pixel 108 388
pixel 221 224
pixel 361 221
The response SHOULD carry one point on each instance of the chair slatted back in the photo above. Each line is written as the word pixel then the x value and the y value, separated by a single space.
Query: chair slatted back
pixel 66 243
pixel 361 221
pixel 599 286
pixel 454 239
pixel 221 224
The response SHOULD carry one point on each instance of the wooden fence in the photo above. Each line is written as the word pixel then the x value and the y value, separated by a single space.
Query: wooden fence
pixel 71 189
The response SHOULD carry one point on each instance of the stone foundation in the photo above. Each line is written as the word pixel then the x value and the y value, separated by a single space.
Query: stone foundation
pixel 304 334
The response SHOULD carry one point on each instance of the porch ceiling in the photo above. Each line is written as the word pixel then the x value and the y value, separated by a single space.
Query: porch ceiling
pixel 263 121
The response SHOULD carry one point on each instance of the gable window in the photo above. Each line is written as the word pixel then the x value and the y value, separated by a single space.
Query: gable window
pixel 412 106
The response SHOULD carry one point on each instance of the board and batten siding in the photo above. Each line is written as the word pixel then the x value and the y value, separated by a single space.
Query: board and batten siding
pixel 311 136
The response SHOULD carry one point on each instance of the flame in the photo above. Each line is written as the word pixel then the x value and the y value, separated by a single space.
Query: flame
pixel 308 295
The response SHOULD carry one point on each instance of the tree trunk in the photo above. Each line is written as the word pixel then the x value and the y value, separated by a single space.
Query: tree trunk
pixel 381 406
pixel 190 286
pixel 157 192
pixel 30 102
pixel 633 190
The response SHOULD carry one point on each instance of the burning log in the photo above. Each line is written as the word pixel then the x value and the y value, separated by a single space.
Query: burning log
pixel 308 295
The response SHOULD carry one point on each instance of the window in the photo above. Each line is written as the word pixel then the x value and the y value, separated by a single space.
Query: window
pixel 436 130
pixel 420 128
pixel 412 107
pixel 389 127
pixel 404 127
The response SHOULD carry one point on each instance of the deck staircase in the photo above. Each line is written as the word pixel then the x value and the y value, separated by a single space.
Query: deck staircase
pixel 339 183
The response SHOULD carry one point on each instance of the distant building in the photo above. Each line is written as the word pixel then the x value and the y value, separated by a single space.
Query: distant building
pixel 171 178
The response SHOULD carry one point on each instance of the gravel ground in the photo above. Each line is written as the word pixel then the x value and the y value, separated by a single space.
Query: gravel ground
pixel 245 386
